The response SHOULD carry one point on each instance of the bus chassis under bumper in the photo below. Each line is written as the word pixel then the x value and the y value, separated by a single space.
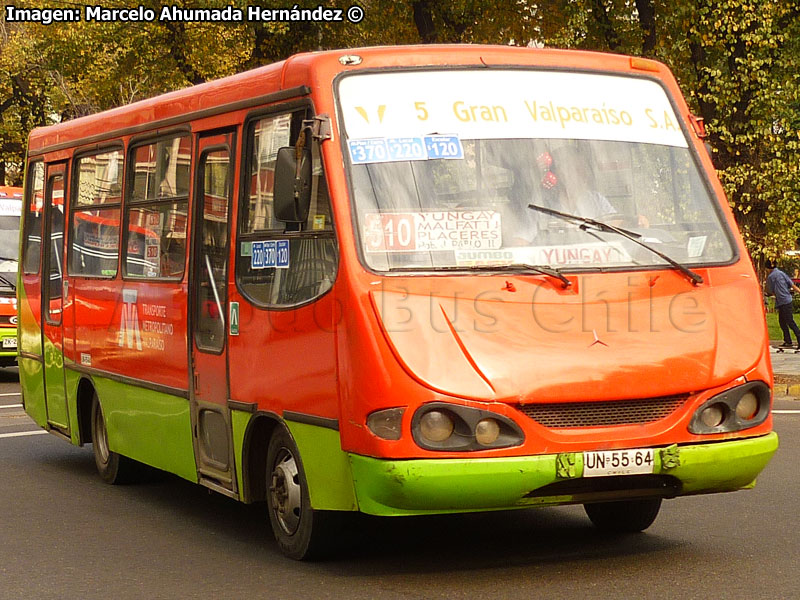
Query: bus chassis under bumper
pixel 428 486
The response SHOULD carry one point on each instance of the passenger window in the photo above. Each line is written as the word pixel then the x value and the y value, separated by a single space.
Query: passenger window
pixel 96 199
pixel 156 216
pixel 301 259
pixel 34 203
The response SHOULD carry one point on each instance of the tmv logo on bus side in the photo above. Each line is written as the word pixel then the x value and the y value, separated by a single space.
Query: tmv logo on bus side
pixel 129 334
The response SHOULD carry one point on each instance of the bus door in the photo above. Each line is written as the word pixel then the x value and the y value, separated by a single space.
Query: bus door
pixel 52 297
pixel 211 420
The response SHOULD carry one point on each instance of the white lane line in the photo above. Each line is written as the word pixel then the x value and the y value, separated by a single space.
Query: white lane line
pixel 787 412
pixel 12 394
pixel 22 433
pixel 10 405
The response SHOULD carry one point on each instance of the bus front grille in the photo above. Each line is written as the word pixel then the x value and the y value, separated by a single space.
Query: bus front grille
pixel 602 414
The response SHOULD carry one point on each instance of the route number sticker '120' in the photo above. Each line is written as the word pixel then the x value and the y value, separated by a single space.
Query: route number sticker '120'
pixel 432 231
pixel 270 254
pixel 429 147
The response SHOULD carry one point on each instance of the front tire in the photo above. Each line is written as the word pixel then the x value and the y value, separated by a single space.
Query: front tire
pixel 624 516
pixel 301 532
pixel 112 467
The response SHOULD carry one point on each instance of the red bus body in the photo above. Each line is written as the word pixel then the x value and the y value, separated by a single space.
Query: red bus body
pixel 519 347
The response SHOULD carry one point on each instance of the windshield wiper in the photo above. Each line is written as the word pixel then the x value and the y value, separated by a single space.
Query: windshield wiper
pixel 544 270
pixel 631 235
pixel 8 283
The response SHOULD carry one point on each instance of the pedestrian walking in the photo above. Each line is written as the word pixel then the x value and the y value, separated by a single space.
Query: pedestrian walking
pixel 781 286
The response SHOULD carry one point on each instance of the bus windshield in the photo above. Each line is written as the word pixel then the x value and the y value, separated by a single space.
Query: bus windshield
pixel 443 173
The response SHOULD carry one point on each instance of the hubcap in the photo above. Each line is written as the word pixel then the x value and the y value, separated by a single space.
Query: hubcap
pixel 285 491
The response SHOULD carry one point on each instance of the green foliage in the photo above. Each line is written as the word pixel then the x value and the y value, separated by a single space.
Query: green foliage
pixel 736 60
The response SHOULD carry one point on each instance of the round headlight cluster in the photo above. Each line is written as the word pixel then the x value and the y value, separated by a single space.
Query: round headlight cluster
pixel 735 409
pixel 444 426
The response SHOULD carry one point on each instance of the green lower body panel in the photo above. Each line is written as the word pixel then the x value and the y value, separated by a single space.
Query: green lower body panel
pixel 151 427
pixel 31 379
pixel 408 487
pixel 327 468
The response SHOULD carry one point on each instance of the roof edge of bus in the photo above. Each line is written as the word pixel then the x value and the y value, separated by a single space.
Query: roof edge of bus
pixel 251 83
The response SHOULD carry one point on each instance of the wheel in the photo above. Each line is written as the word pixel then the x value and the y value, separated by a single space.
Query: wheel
pixel 112 467
pixel 301 532
pixel 624 516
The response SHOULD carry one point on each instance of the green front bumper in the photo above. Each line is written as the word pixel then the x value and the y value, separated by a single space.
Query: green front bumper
pixel 8 349
pixel 407 487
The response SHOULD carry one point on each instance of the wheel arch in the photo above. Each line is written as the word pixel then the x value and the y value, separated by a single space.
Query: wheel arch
pixel 254 455
pixel 83 399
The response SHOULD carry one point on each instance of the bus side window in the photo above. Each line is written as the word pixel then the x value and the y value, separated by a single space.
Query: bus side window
pixel 157 214
pixel 96 199
pixel 34 203
pixel 304 262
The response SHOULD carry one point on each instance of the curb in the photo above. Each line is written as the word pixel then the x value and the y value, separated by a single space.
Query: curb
pixel 787 389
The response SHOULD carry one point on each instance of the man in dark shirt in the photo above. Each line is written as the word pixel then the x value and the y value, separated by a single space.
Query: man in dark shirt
pixel 780 285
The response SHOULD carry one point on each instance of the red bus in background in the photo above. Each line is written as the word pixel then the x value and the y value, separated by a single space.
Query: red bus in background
pixel 10 214
pixel 400 281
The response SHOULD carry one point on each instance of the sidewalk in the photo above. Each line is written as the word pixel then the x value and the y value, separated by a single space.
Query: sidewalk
pixel 786 366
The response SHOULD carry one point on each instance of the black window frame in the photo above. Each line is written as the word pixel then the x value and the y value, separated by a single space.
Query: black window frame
pixel 27 199
pixel 74 208
pixel 130 204
pixel 197 229
pixel 46 288
pixel 305 106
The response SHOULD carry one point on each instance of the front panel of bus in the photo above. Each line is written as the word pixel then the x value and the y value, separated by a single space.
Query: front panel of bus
pixel 545 273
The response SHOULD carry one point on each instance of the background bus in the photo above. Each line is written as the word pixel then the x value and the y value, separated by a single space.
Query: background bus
pixel 400 281
pixel 10 213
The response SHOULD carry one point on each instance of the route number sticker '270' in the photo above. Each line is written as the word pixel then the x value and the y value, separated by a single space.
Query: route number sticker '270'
pixel 618 462
pixel 378 150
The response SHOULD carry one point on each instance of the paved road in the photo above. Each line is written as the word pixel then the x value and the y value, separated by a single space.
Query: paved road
pixel 63 534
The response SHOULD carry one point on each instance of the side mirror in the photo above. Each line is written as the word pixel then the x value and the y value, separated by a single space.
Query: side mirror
pixel 292 191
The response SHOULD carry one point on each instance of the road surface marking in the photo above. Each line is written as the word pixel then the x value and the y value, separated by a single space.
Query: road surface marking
pixel 12 394
pixel 786 412
pixel 10 405
pixel 22 433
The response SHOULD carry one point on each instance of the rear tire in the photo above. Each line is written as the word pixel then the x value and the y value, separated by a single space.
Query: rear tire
pixel 112 467
pixel 302 533
pixel 624 516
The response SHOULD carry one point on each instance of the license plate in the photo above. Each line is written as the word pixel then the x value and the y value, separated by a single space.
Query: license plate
pixel 617 462
pixel 10 343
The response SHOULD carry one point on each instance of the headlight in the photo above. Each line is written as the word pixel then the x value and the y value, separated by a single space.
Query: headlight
pixel 747 407
pixel 445 426
pixel 487 431
pixel 713 415
pixel 733 410
pixel 436 426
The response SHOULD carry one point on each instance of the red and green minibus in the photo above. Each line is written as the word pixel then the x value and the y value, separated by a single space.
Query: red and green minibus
pixel 10 214
pixel 400 281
